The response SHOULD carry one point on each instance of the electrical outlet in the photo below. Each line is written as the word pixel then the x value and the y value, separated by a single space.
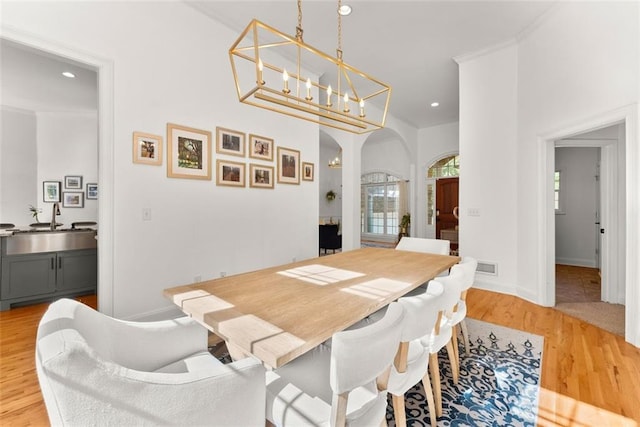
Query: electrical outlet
pixel 146 214
pixel 223 274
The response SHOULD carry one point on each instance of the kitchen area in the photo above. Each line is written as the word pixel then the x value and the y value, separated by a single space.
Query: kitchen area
pixel 48 177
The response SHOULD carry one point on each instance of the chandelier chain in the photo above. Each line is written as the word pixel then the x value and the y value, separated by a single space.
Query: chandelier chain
pixel 339 50
pixel 299 27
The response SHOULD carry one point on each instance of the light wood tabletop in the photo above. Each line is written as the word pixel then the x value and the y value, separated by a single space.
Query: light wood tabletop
pixel 278 313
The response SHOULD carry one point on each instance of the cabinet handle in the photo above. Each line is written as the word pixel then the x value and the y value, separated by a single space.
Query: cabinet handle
pixel 59 263
pixel 52 264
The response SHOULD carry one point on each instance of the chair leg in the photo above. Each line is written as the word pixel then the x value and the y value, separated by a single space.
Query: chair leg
pixel 399 410
pixel 454 362
pixel 465 336
pixel 454 341
pixel 435 379
pixel 426 383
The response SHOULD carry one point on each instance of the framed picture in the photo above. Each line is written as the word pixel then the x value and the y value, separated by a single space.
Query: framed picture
pixel 307 171
pixel 288 166
pixel 92 191
pixel 188 152
pixel 51 191
pixel 147 149
pixel 230 173
pixel 260 147
pixel 230 142
pixel 73 182
pixel 260 176
pixel 73 199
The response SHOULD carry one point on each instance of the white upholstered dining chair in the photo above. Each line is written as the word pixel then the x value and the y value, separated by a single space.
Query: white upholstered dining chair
pixel 457 317
pixel 442 333
pixel 341 384
pixel 96 370
pixel 412 361
pixel 428 246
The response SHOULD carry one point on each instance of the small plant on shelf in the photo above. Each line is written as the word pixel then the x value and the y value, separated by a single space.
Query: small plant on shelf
pixel 34 212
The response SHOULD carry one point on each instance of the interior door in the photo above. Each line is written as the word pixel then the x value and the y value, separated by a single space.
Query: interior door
pixel 446 201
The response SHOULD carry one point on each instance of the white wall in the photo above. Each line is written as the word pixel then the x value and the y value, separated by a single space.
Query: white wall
pixel 171 65
pixel 581 61
pixel 488 146
pixel 18 165
pixel 575 226
pixel 68 145
pixel 386 155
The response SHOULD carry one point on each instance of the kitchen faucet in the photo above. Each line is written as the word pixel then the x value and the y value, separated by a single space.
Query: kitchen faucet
pixel 55 211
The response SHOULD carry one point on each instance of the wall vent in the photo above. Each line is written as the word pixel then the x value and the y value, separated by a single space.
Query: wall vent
pixel 487 268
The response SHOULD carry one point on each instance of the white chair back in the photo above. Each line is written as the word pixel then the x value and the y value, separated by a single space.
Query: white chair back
pixel 452 285
pixel 360 356
pixel 468 268
pixel 418 244
pixel 421 313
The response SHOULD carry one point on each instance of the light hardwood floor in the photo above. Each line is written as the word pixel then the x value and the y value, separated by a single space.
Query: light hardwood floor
pixel 589 376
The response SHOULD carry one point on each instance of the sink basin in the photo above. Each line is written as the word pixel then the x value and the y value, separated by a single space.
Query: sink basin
pixel 44 225
pixel 36 241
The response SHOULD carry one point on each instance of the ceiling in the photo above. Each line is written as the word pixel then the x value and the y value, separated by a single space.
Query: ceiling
pixel 409 45
pixel 32 80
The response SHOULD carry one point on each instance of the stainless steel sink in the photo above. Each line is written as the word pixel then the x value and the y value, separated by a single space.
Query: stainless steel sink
pixel 36 241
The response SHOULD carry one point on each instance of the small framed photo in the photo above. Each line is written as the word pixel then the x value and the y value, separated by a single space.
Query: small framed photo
pixel 288 166
pixel 51 191
pixel 230 173
pixel 147 149
pixel 73 199
pixel 92 191
pixel 230 142
pixel 188 152
pixel 307 171
pixel 260 147
pixel 73 182
pixel 260 176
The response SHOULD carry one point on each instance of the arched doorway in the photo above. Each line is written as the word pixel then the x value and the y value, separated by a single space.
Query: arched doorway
pixel 442 199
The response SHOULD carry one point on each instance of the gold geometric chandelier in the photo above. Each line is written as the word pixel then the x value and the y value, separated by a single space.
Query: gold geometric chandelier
pixel 272 70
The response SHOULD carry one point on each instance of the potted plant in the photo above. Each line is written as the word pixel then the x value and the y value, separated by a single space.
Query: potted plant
pixel 34 212
pixel 405 222
pixel 331 195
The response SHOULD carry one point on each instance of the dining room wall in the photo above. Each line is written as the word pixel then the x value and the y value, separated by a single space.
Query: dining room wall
pixel 194 229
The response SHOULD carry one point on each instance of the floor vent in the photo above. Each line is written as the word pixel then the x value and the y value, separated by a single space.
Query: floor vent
pixel 488 268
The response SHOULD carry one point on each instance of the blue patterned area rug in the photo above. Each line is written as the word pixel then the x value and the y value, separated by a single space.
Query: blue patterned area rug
pixel 498 386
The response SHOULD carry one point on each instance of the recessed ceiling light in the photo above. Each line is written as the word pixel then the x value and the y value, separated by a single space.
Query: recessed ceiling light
pixel 344 10
pixel 69 74
pixel 435 104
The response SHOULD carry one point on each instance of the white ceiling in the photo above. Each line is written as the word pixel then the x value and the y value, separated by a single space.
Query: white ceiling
pixel 409 45
pixel 32 80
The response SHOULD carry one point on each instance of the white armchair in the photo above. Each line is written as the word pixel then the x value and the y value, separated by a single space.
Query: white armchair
pixel 96 370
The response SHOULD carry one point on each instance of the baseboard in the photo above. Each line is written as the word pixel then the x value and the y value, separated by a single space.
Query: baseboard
pixel 487 285
pixel 165 313
pixel 576 262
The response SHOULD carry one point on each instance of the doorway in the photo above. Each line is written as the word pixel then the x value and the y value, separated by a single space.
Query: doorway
pixel 104 69
pixel 446 210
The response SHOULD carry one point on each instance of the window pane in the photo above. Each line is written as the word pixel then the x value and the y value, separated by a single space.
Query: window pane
pixel 430 204
pixel 375 209
pixel 392 208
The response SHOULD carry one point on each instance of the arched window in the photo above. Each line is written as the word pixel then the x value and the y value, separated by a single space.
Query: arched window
pixel 445 168
pixel 383 202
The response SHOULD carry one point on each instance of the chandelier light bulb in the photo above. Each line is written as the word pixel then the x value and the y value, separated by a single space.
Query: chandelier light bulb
pixel 329 96
pixel 308 97
pixel 362 108
pixel 285 78
pixel 260 68
pixel 346 103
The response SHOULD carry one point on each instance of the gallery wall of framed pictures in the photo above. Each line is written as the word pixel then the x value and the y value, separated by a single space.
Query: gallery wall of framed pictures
pixel 69 192
pixel 190 156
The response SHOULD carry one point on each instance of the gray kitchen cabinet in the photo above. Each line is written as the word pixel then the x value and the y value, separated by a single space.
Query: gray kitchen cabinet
pixel 43 276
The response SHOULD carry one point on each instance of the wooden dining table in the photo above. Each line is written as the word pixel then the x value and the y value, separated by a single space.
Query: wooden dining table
pixel 277 314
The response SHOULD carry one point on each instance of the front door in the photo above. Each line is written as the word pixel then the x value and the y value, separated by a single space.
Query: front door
pixel 446 201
